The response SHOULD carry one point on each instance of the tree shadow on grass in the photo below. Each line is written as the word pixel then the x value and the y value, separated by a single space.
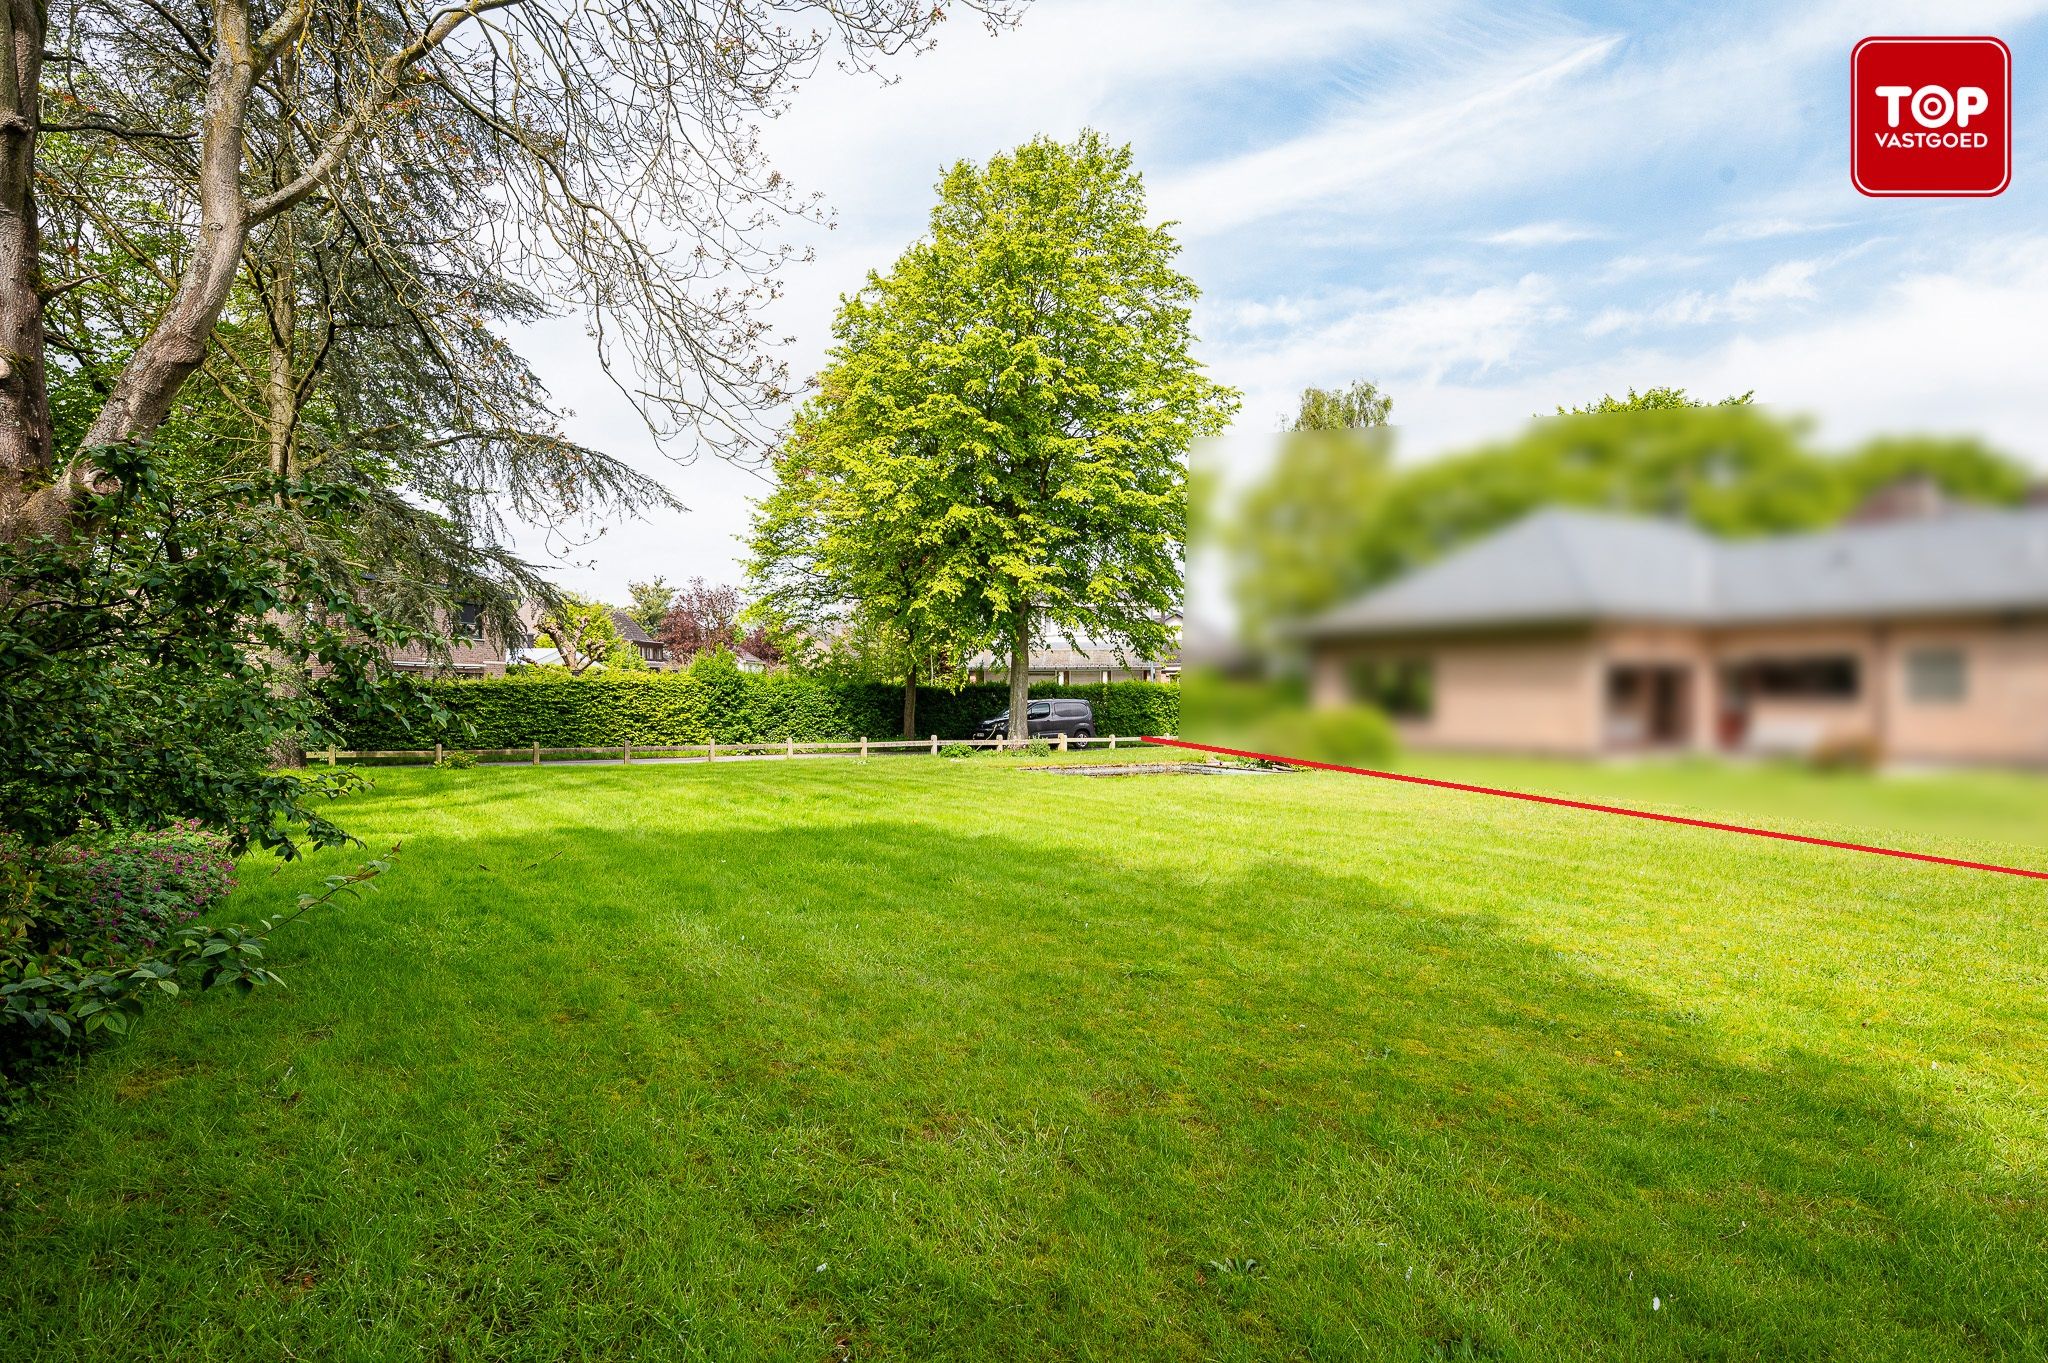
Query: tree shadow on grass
pixel 892 1090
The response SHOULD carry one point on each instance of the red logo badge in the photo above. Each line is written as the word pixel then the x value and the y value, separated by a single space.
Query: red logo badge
pixel 1930 117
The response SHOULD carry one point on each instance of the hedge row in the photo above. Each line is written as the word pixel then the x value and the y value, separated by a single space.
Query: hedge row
pixel 707 703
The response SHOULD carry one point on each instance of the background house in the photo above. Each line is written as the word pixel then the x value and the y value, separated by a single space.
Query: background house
pixel 652 650
pixel 1919 632
pixel 1082 663
pixel 471 652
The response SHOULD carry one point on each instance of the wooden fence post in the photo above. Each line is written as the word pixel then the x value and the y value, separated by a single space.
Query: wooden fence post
pixel 437 754
pixel 331 754
pixel 629 752
pixel 1112 742
pixel 935 745
pixel 712 754
pixel 789 745
pixel 1063 740
pixel 863 747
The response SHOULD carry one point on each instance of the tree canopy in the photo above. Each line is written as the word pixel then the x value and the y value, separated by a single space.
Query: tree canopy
pixel 998 443
pixel 1358 406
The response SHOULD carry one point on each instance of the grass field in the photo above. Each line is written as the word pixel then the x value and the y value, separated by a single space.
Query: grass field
pixel 919 1059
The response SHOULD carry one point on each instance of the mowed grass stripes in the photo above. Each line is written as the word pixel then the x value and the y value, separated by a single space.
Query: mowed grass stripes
pixel 920 1059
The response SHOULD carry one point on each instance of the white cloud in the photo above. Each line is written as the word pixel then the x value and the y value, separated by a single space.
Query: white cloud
pixel 1542 234
pixel 1764 229
pixel 1399 338
pixel 1950 351
pixel 1787 281
pixel 1439 136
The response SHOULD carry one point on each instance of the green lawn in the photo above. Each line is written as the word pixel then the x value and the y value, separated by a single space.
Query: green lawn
pixel 918 1059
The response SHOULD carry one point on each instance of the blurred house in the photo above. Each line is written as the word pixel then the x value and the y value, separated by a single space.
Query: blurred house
pixel 1918 632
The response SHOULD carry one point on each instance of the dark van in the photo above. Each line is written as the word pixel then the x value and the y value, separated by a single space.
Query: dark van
pixel 1074 718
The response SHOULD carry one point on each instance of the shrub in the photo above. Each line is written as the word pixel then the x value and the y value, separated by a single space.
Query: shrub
pixel 131 890
pixel 457 761
pixel 957 750
pixel 1846 753
pixel 712 699
pixel 151 664
pixel 93 928
pixel 1349 735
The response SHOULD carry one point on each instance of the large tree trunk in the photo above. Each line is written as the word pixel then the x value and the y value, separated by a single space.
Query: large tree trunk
pixel 176 345
pixel 910 700
pixel 281 302
pixel 25 432
pixel 1020 673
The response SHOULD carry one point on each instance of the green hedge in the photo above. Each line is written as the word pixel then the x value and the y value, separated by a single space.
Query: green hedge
pixel 713 702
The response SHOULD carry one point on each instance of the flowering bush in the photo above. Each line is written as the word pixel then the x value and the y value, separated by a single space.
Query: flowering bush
pixel 93 926
pixel 129 890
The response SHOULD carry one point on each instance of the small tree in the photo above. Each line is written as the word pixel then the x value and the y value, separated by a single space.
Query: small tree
pixel 1294 544
pixel 651 601
pixel 701 619
pixel 586 636
pixel 1354 408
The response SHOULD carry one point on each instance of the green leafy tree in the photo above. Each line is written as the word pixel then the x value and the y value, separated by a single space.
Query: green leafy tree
pixel 1733 469
pixel 586 636
pixel 1653 400
pixel 651 602
pixel 1358 407
pixel 1017 395
pixel 1965 469
pixel 1299 540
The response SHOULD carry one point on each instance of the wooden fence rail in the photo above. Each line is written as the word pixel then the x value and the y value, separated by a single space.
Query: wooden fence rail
pixel 715 750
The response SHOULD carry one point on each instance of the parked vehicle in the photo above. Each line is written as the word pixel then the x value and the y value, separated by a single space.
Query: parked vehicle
pixel 1046 718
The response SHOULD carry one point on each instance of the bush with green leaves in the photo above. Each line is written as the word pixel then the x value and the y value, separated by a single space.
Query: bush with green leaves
pixel 1348 735
pixel 57 994
pixel 155 658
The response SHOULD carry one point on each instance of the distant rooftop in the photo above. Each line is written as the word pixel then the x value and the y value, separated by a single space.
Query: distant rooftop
pixel 1562 565
pixel 630 629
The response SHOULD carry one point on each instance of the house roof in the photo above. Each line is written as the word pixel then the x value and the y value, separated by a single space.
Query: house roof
pixel 1561 565
pixel 630 630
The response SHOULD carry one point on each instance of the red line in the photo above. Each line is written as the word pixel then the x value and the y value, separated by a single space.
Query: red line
pixel 1608 809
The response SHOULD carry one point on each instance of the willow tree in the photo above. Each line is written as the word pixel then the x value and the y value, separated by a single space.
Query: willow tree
pixel 1006 414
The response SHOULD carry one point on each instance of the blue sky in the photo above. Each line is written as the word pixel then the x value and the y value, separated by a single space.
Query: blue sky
pixel 1489 209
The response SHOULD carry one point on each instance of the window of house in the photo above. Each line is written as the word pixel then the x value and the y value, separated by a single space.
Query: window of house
pixel 1402 687
pixel 469 620
pixel 1936 676
pixel 1825 678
